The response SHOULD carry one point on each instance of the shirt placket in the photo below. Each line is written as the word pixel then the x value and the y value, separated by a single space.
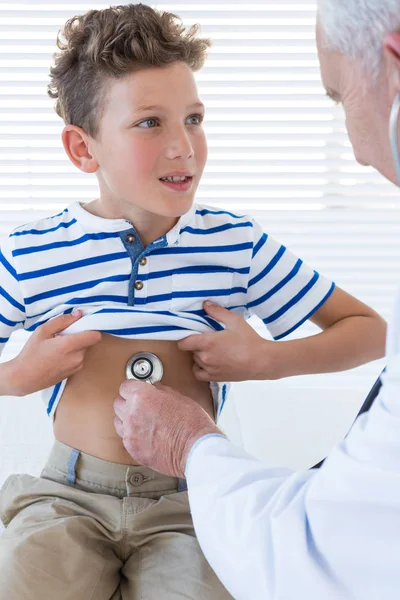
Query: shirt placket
pixel 141 283
pixel 140 259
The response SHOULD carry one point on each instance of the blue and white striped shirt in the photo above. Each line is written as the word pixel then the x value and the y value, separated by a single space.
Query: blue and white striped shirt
pixel 78 260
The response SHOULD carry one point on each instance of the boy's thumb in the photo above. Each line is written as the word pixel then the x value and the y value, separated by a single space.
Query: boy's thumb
pixel 59 323
pixel 221 314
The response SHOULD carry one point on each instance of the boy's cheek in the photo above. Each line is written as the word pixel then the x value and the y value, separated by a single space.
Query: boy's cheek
pixel 133 167
pixel 201 151
pixel 143 161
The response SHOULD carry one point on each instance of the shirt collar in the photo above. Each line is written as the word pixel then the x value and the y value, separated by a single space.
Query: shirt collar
pixel 95 223
pixel 174 233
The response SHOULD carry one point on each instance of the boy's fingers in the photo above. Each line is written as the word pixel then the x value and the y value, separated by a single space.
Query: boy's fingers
pixel 193 343
pixel 201 374
pixel 58 324
pixel 85 339
pixel 78 341
pixel 197 360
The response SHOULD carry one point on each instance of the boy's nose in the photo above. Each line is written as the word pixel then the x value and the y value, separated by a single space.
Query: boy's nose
pixel 180 146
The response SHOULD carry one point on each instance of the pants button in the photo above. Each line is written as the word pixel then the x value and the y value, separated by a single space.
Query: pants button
pixel 137 479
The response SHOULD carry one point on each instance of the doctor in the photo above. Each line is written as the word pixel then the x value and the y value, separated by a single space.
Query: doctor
pixel 332 533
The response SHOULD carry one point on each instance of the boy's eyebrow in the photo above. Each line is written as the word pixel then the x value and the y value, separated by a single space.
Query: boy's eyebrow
pixel 158 107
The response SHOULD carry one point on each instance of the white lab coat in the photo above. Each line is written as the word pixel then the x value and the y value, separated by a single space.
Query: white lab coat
pixel 331 533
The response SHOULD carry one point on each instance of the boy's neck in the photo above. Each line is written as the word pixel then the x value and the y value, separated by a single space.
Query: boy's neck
pixel 149 226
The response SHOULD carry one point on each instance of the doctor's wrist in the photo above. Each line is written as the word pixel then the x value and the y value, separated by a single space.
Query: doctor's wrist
pixel 192 441
pixel 198 443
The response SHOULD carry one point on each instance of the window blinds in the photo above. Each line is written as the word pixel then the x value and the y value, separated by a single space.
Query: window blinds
pixel 278 148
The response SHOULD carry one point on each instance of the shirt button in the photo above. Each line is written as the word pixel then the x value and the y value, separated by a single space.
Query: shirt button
pixel 143 262
pixel 137 479
pixel 130 238
pixel 139 285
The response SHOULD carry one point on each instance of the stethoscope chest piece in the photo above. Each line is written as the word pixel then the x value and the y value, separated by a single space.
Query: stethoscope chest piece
pixel 144 366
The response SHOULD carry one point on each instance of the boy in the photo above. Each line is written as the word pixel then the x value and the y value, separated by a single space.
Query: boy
pixel 137 263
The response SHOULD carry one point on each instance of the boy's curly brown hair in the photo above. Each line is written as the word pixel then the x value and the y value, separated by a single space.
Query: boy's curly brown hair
pixel 111 43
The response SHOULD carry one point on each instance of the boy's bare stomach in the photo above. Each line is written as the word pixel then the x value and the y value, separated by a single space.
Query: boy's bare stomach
pixel 84 418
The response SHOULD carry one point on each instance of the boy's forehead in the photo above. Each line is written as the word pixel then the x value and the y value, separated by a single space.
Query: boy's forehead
pixel 153 87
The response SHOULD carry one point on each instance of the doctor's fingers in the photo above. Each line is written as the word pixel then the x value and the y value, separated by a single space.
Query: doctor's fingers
pixel 118 426
pixel 125 426
pixel 120 407
pixel 139 407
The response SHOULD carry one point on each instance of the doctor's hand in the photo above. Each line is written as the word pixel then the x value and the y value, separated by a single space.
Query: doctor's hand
pixel 159 426
pixel 237 353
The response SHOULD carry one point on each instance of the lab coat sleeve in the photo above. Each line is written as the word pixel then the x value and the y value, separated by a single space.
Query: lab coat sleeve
pixel 331 533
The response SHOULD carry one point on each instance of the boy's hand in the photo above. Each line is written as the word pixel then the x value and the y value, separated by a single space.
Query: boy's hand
pixel 48 358
pixel 236 354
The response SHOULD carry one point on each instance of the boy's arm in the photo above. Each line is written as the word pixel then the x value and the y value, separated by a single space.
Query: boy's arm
pixel 8 378
pixel 12 309
pixel 353 334
pixel 284 292
pixel 238 353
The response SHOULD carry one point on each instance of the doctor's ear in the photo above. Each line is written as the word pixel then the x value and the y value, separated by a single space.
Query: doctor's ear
pixel 391 48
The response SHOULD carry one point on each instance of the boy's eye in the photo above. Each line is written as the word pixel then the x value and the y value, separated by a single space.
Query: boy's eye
pixel 152 122
pixel 196 119
pixel 148 124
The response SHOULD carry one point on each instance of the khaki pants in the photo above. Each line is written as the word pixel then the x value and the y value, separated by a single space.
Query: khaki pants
pixel 91 529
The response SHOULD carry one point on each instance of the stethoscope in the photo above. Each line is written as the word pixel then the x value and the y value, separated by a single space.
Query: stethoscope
pixel 144 366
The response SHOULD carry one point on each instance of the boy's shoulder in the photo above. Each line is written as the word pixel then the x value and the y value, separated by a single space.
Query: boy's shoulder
pixel 212 216
pixel 231 226
pixel 42 225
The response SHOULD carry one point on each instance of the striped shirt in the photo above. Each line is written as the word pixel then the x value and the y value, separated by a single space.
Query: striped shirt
pixel 78 260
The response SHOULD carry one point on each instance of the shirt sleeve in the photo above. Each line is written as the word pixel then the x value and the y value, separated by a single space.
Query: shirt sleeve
pixel 329 533
pixel 282 290
pixel 12 309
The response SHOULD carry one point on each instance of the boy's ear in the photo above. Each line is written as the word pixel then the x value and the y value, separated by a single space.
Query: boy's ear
pixel 391 47
pixel 75 141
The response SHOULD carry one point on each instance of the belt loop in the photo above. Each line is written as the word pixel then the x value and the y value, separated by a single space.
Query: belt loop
pixel 72 466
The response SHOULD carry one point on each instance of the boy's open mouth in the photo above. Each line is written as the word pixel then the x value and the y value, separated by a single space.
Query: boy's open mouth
pixel 178 183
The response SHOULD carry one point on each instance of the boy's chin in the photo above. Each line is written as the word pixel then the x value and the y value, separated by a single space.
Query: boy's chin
pixel 175 209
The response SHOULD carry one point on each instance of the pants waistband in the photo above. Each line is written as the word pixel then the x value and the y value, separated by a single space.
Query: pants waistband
pixel 77 467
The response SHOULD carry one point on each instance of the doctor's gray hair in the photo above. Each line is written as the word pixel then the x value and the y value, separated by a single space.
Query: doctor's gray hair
pixel 357 28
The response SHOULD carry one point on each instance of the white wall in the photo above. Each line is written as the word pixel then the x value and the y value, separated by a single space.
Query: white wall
pixel 290 426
